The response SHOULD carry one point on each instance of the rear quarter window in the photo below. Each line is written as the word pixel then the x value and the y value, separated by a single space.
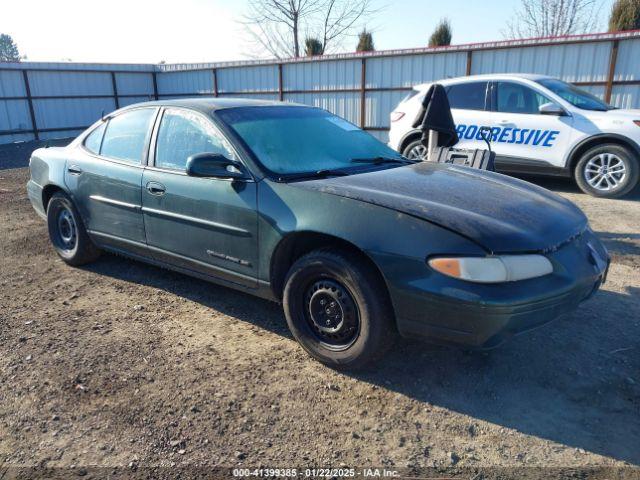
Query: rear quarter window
pixel 94 139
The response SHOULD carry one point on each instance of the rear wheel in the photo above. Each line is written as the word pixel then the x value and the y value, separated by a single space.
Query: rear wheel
pixel 338 309
pixel 607 170
pixel 415 150
pixel 67 232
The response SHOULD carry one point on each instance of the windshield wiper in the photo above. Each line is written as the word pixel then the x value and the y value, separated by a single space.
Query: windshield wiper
pixel 317 174
pixel 330 172
pixel 381 160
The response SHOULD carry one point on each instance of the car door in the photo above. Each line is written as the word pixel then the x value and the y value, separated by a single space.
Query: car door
pixel 104 176
pixel 208 225
pixel 523 138
pixel 469 103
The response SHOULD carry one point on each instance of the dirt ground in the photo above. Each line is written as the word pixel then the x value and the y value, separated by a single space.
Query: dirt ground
pixel 123 364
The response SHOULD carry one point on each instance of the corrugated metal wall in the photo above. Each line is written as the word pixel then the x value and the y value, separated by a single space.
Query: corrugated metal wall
pixel 60 99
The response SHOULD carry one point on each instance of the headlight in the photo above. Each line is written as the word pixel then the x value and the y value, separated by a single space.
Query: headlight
pixel 505 268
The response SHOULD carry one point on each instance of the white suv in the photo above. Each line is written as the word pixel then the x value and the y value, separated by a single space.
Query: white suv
pixel 539 125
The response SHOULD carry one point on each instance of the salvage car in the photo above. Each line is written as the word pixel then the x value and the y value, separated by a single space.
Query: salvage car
pixel 539 125
pixel 299 206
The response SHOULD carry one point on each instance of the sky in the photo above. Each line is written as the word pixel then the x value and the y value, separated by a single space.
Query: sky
pixel 150 31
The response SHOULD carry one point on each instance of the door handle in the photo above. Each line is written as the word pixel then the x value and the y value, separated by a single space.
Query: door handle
pixel 505 122
pixel 156 188
pixel 74 170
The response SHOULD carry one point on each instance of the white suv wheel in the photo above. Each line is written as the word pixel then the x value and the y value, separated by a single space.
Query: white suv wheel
pixel 608 170
pixel 605 171
pixel 415 151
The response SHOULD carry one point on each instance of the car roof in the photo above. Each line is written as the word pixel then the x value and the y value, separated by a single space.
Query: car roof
pixel 486 77
pixel 207 105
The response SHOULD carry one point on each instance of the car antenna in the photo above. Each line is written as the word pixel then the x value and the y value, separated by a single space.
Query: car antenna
pixel 102 115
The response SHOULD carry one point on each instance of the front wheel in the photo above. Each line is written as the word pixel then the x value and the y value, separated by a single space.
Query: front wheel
pixel 607 170
pixel 338 308
pixel 67 232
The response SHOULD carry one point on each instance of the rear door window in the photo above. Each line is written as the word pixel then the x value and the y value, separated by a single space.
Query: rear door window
pixel 468 96
pixel 126 135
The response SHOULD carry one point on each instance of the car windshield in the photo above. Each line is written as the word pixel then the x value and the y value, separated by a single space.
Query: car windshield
pixel 291 140
pixel 575 96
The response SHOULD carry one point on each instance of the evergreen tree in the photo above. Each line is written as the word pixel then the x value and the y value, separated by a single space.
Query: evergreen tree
pixel 8 49
pixel 312 47
pixel 441 35
pixel 625 15
pixel 365 42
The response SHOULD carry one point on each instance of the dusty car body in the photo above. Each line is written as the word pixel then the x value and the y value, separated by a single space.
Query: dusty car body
pixel 349 251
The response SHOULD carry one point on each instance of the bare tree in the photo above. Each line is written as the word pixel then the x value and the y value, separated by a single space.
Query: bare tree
pixel 547 18
pixel 340 18
pixel 278 26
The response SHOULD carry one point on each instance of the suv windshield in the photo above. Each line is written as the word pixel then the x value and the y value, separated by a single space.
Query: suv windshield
pixel 290 140
pixel 575 96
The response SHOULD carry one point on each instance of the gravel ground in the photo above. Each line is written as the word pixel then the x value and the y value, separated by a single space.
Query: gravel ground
pixel 123 364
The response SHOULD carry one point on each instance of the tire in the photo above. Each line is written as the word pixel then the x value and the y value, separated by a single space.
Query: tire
pixel 363 328
pixel 67 232
pixel 615 183
pixel 415 150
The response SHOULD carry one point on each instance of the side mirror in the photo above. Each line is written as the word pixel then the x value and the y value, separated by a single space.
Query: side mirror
pixel 214 165
pixel 552 109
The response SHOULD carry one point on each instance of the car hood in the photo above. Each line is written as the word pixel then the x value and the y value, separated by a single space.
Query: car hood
pixel 625 112
pixel 500 213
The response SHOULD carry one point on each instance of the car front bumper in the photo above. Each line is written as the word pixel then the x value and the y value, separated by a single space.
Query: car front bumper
pixel 447 310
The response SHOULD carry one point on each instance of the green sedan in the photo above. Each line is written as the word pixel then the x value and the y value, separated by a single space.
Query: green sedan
pixel 297 205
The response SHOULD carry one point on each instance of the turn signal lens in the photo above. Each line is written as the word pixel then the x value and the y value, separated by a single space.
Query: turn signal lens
pixel 395 116
pixel 448 266
pixel 505 268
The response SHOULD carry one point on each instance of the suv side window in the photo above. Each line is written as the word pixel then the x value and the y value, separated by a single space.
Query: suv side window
pixel 516 98
pixel 94 139
pixel 184 133
pixel 468 96
pixel 126 135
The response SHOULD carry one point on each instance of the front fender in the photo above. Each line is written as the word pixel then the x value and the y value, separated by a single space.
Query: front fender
pixel 398 243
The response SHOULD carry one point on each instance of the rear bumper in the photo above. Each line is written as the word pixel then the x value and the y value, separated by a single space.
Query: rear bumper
pixel 447 310
pixel 34 192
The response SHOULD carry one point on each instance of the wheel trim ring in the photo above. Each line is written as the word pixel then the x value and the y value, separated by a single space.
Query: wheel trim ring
pixel 605 172
pixel 317 333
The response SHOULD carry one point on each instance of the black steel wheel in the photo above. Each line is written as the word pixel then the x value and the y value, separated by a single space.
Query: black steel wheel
pixel 332 313
pixel 338 308
pixel 67 232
